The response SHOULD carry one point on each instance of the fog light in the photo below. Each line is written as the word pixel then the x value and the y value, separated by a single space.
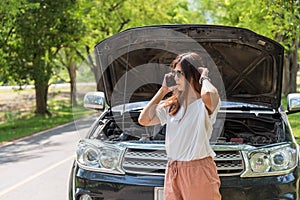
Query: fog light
pixel 85 197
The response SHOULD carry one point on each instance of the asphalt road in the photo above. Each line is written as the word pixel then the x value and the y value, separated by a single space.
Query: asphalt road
pixel 38 167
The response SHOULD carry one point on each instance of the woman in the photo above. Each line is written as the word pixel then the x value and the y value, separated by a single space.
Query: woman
pixel 189 115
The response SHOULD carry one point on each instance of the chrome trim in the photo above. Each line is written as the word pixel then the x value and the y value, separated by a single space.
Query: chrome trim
pixel 143 145
pixel 230 147
pixel 158 191
pixel 256 112
pixel 145 161
pixel 149 160
pixel 73 182
pixel 118 170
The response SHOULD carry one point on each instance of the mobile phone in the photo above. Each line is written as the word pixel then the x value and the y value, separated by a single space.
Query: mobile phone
pixel 170 80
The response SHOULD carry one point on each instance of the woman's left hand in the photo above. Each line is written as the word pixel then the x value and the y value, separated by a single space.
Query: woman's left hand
pixel 203 71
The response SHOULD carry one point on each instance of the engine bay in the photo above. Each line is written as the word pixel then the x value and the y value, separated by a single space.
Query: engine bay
pixel 233 128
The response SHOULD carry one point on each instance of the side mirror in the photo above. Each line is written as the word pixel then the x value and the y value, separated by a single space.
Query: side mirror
pixel 293 103
pixel 94 100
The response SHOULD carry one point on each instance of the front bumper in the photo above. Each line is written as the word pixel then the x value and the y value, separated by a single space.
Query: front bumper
pixel 136 187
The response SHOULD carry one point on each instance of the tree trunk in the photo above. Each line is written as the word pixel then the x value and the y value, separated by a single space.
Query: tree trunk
pixel 290 69
pixel 95 69
pixel 41 77
pixel 41 93
pixel 71 67
pixel 72 75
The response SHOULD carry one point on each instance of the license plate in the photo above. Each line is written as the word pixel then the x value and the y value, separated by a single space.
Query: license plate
pixel 158 193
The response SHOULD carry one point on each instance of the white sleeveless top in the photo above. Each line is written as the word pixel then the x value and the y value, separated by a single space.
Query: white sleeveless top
pixel 188 134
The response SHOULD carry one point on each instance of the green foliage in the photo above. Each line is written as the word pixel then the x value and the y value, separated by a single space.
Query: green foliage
pixel 102 19
pixel 285 15
pixel 9 9
pixel 41 32
pixel 277 19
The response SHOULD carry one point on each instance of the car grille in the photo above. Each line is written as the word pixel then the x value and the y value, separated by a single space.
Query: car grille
pixel 153 162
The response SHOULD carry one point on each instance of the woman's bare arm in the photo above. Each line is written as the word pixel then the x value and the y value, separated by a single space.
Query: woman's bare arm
pixel 209 95
pixel 209 92
pixel 148 115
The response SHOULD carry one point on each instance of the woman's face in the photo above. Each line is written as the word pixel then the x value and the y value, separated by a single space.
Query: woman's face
pixel 179 78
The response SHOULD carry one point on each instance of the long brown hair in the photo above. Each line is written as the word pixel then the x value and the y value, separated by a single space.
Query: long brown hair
pixel 189 64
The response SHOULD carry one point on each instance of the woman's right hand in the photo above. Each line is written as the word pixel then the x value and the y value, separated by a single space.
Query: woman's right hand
pixel 169 82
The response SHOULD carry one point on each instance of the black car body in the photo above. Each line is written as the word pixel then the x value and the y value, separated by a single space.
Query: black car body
pixel 257 156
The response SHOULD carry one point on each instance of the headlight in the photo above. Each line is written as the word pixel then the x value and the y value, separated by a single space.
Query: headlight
pixel 274 160
pixel 98 156
pixel 281 159
pixel 90 156
pixel 260 162
pixel 109 158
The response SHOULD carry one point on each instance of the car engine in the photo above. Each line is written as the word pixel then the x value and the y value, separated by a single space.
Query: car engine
pixel 230 128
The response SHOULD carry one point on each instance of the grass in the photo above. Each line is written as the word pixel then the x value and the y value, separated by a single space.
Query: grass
pixel 30 123
pixel 17 118
pixel 294 121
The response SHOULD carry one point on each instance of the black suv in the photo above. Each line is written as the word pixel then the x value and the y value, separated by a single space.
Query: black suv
pixel 257 156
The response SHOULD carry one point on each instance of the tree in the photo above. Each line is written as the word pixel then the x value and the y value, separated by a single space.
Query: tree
pixel 277 19
pixel 40 32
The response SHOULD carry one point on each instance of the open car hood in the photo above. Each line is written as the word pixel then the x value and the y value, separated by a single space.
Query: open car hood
pixel 244 66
